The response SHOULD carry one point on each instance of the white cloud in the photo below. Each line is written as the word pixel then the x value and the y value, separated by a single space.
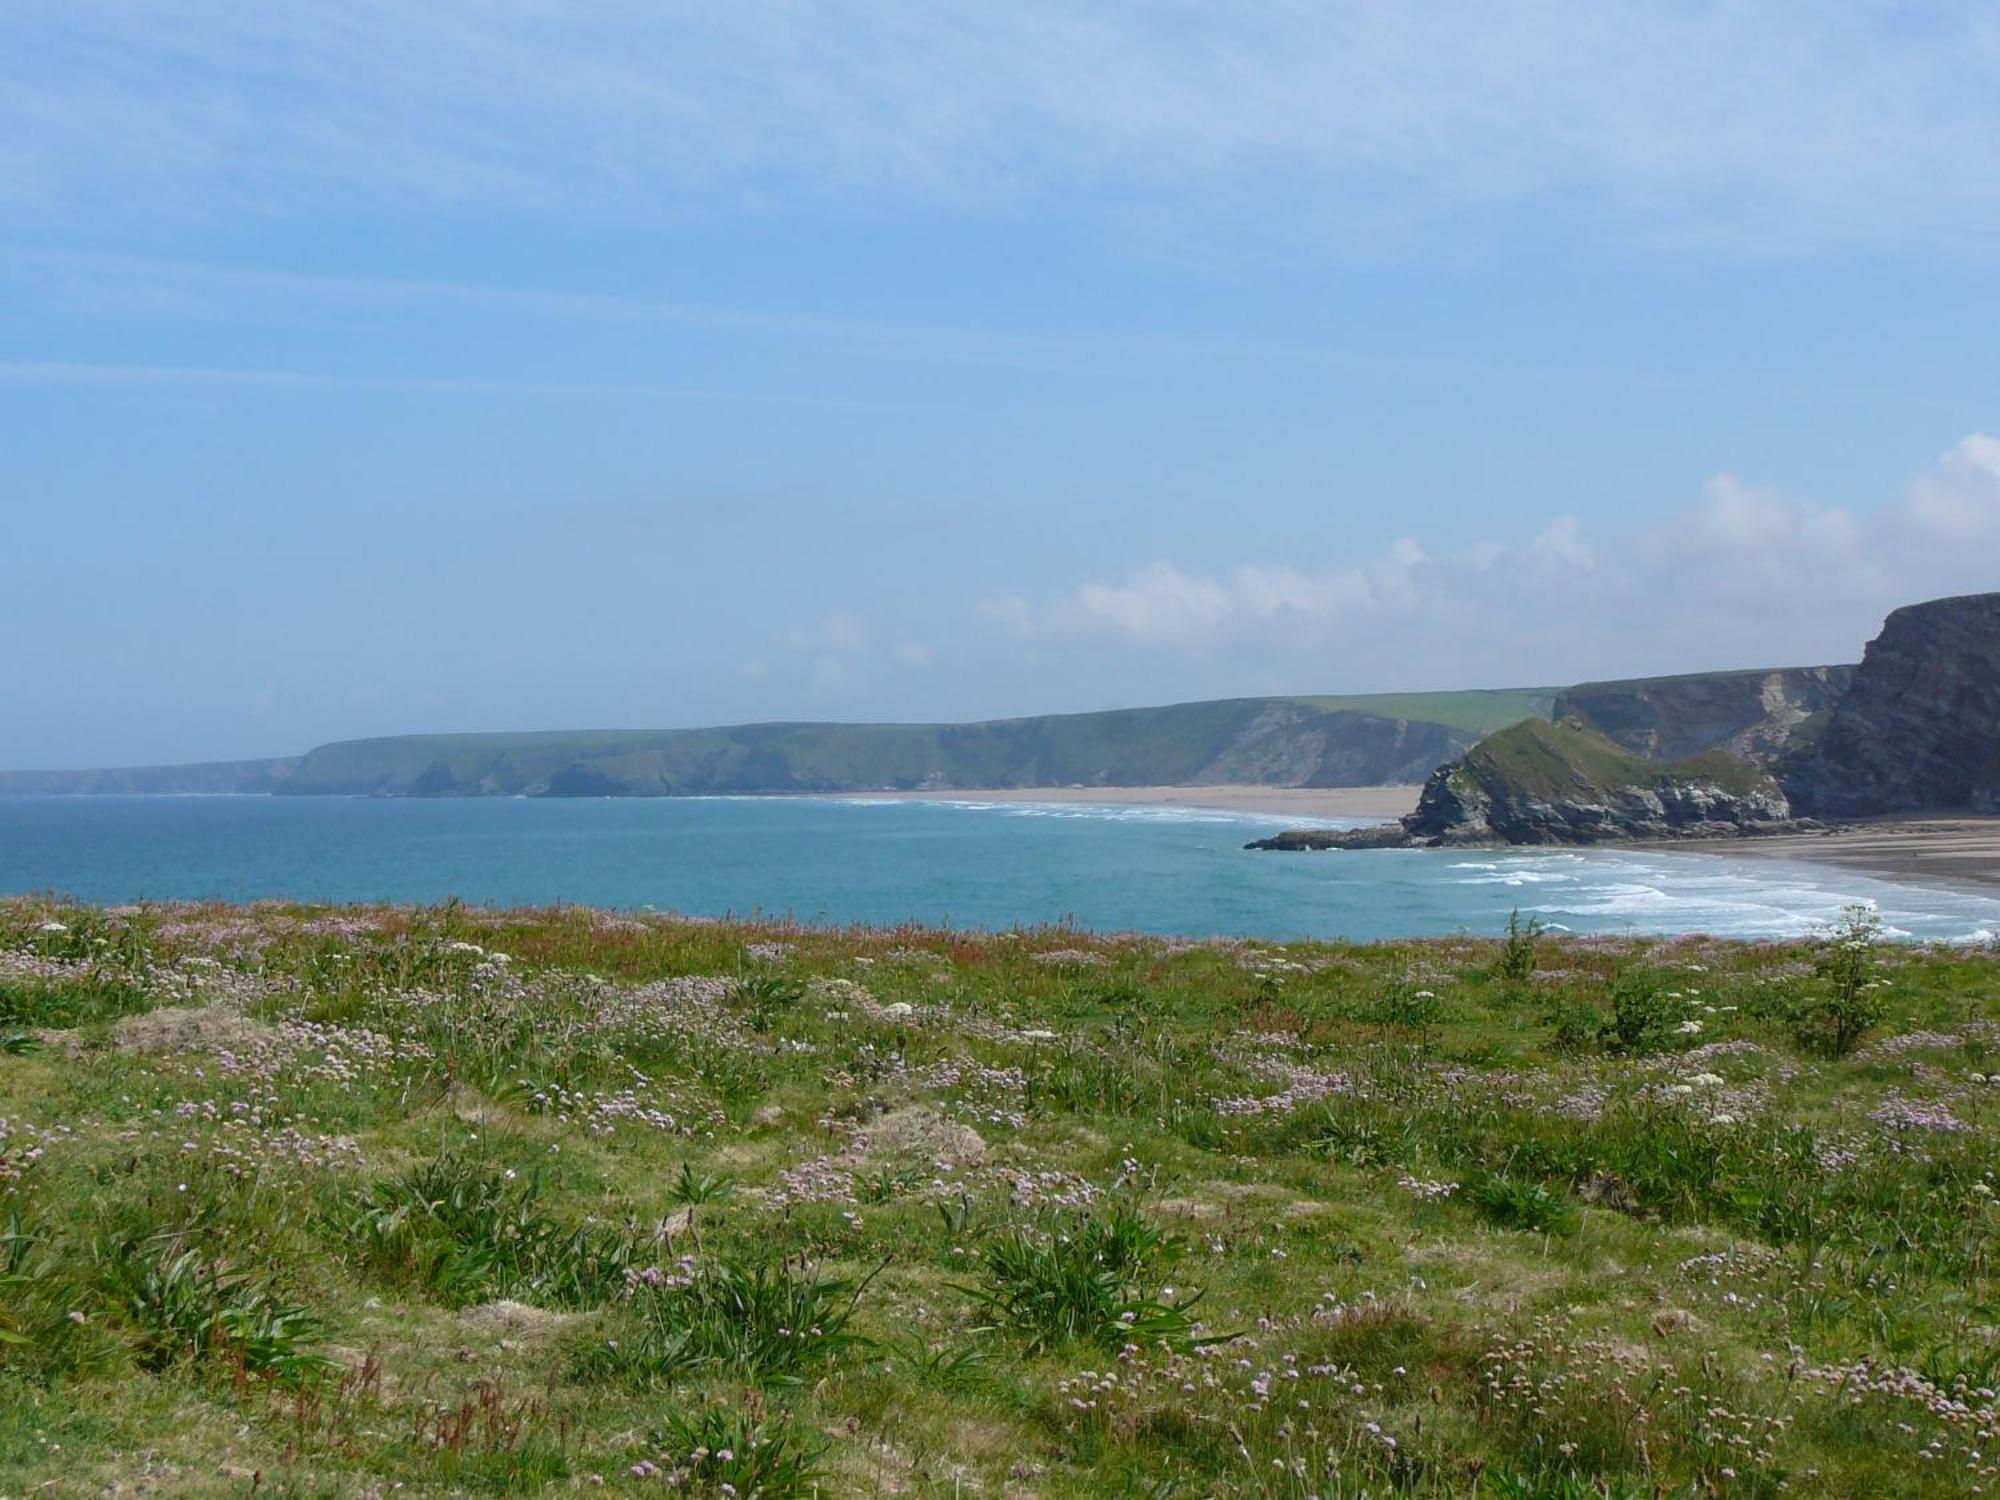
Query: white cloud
pixel 1755 127
pixel 1961 496
pixel 1744 575
pixel 834 634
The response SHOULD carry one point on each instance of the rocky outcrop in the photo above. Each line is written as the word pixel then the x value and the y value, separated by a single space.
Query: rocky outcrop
pixel 1540 783
pixel 1753 715
pixel 1918 730
pixel 1300 840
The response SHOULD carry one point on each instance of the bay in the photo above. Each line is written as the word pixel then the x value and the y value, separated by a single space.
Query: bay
pixel 964 864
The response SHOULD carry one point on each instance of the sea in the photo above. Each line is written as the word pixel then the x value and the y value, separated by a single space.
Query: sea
pixel 962 864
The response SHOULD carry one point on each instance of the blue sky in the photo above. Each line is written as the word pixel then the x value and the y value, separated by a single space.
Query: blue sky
pixel 368 367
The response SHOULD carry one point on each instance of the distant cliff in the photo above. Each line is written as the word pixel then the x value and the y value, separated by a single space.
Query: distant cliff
pixel 1753 715
pixel 1541 783
pixel 1261 741
pixel 1919 728
pixel 1916 727
pixel 238 776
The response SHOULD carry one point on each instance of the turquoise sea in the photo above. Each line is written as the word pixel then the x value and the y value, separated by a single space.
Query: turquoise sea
pixel 966 864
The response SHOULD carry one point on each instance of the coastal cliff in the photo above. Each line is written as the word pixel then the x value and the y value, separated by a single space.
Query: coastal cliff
pixel 1919 728
pixel 1753 715
pixel 1541 783
pixel 1258 741
pixel 209 778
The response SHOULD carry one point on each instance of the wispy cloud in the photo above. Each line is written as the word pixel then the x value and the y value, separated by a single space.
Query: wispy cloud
pixel 138 290
pixel 56 372
pixel 1747 128
pixel 1743 569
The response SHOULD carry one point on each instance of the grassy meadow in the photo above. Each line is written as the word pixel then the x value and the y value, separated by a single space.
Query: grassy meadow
pixel 359 1201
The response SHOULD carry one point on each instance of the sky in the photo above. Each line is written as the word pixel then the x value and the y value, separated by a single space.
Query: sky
pixel 369 367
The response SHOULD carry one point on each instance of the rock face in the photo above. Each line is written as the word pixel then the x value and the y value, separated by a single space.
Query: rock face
pixel 1748 714
pixel 1540 783
pixel 1919 728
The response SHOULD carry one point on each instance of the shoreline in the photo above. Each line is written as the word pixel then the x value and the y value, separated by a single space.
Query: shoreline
pixel 1383 802
pixel 1958 852
pixel 1961 853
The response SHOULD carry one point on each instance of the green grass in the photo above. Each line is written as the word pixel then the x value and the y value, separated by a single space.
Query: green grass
pixel 1478 711
pixel 1551 760
pixel 318 1201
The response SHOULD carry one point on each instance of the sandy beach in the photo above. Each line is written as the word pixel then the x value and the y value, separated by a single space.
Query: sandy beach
pixel 1384 802
pixel 1928 851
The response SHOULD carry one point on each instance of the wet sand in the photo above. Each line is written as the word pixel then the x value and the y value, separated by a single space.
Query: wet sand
pixel 1382 802
pixel 1925 851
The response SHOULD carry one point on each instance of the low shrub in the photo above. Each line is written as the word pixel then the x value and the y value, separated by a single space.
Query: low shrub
pixel 770 1322
pixel 1849 995
pixel 465 1231
pixel 184 1305
pixel 1074 1280
pixel 1516 964
pixel 1516 1204
pixel 1646 1016
pixel 719 1450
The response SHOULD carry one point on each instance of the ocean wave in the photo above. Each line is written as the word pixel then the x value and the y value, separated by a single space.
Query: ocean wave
pixel 1103 812
pixel 1518 877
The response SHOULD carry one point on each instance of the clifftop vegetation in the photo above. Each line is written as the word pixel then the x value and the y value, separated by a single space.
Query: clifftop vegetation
pixel 310 1201
pixel 1538 759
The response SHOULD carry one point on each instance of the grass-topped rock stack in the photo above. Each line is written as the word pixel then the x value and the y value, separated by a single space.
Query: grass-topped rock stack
pixel 344 1201
pixel 1541 783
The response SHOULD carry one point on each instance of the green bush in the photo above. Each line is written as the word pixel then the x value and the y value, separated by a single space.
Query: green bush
pixel 1083 1280
pixel 1516 964
pixel 770 1322
pixel 465 1231
pixel 184 1305
pixel 1574 1029
pixel 767 997
pixel 719 1450
pixel 1849 996
pixel 1645 1016
pixel 1515 1204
